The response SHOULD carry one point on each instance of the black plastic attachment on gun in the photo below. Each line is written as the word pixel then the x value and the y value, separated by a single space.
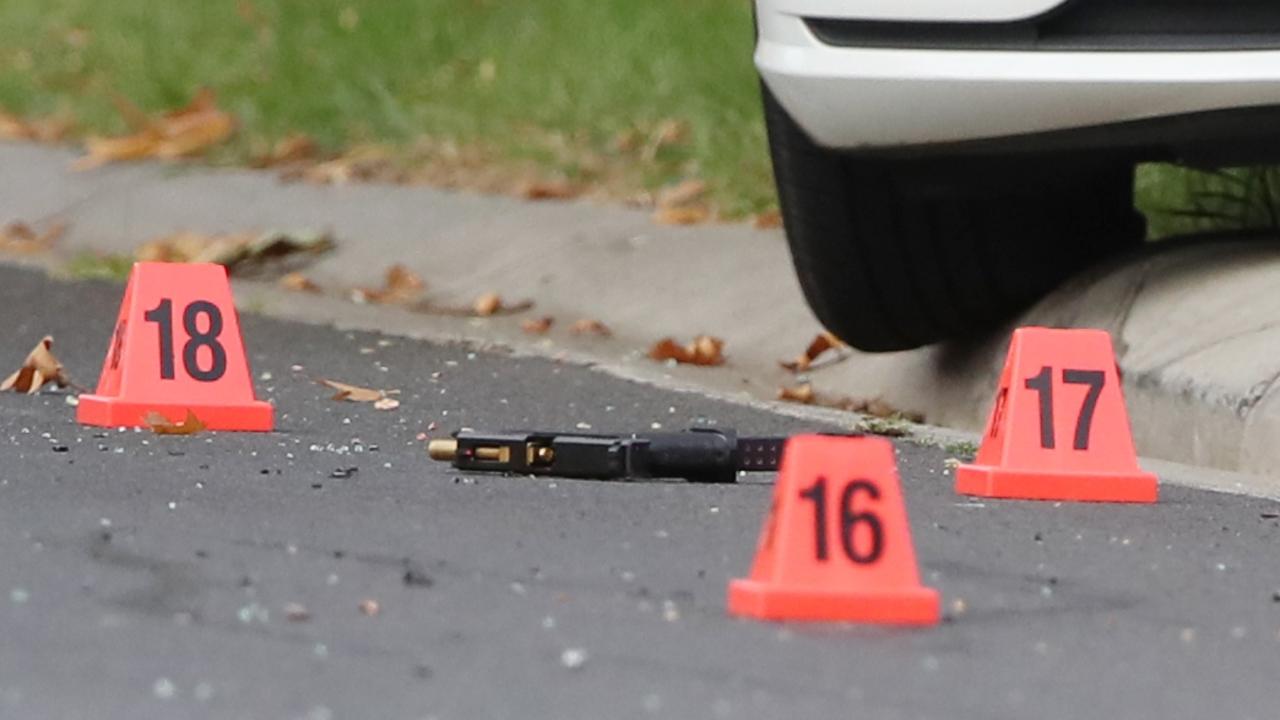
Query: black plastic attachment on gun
pixel 702 455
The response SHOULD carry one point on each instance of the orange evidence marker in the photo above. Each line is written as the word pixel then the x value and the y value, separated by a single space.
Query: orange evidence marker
pixel 836 545
pixel 1058 429
pixel 176 348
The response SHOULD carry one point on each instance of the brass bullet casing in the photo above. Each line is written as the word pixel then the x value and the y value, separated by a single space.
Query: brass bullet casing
pixel 444 449
pixel 539 454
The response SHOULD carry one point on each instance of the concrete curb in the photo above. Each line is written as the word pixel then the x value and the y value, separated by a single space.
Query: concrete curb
pixel 1196 329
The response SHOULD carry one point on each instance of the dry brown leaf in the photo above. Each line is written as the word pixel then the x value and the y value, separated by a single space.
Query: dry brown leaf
pixel 537 326
pixel 20 237
pixel 50 128
pixel 363 162
pixel 39 369
pixel 682 194
pixel 161 425
pixel 487 304
pixel 875 407
pixel 288 150
pixel 589 326
pixel 100 150
pixel 684 215
pixel 704 350
pixel 668 132
pixel 194 128
pixel 548 190
pixel 236 251
pixel 492 304
pixel 802 394
pixel 767 220
pixel 399 285
pixel 355 393
pixel 821 343
pixel 185 131
pixel 298 282
pixel 13 127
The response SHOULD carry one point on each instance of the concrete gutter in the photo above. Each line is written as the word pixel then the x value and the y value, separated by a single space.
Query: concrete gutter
pixel 1197 325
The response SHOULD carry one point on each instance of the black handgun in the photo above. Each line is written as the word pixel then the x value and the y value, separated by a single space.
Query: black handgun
pixel 702 455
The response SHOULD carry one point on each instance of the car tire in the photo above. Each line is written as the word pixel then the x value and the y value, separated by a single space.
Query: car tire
pixel 895 253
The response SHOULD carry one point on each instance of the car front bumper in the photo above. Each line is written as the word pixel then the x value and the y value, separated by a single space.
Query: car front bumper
pixel 874 98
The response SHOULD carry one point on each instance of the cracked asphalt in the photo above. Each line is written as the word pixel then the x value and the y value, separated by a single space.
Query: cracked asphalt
pixel 223 574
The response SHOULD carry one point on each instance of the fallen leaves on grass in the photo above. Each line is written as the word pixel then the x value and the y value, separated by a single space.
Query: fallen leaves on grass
pixel 589 326
pixel 399 285
pixel 381 399
pixel 648 141
pixel 162 425
pixel 298 282
pixel 189 130
pixel 289 150
pixel 548 190
pixel 682 194
pixel 767 220
pixel 237 251
pixel 691 215
pixel 704 350
pixel 680 204
pixel 20 237
pixel 39 369
pixel 367 163
pixel 50 128
pixel 537 326
pixel 822 343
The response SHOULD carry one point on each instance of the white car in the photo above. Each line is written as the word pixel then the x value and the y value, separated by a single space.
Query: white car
pixel 942 163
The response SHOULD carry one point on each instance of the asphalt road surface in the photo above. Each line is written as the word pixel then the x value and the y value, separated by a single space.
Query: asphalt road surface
pixel 145 576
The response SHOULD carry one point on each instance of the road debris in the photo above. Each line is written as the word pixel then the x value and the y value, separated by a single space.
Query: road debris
pixel 39 369
pixel 492 304
pixel 590 326
pixel 415 576
pixel 574 658
pixel 704 350
pixel 355 393
pixel 298 282
pixel 370 607
pixel 240 251
pixel 296 612
pixel 802 393
pixel 400 285
pixel 822 343
pixel 23 239
pixel 537 326
pixel 161 425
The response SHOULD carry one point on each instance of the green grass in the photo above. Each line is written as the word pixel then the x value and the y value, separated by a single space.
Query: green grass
pixel 552 82
pixel 86 265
